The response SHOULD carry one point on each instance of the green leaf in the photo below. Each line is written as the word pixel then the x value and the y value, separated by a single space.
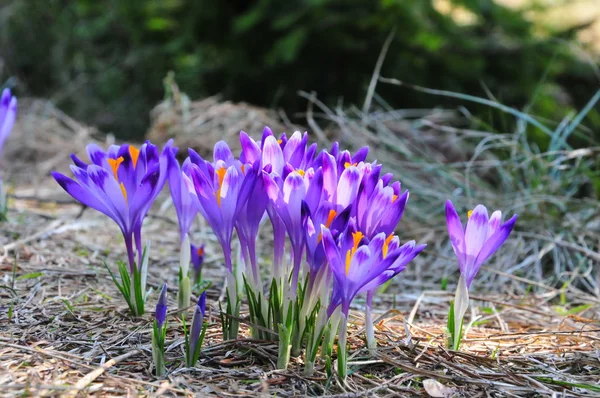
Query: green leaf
pixel 32 275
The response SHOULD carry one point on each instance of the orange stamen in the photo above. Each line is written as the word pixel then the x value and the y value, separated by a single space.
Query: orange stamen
pixel 134 153
pixel 330 217
pixel 301 172
pixel 221 174
pixel 356 237
pixel 386 245
pixel 114 165
pixel 394 198
pixel 469 214
pixel 279 141
pixel 348 164
pixel 200 251
pixel 124 191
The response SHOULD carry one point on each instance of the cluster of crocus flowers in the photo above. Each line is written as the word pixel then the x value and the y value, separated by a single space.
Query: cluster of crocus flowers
pixel 333 216
pixel 316 203
pixel 473 245
pixel 8 114
pixel 122 183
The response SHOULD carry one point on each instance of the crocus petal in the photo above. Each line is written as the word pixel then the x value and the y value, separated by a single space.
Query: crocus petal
pixel 494 223
pixel 222 152
pixel 80 194
pixel 330 176
pixel 360 155
pixel 493 244
pixel 333 256
pixel 271 187
pixel 456 232
pixel 250 150
pixel 476 231
pixel 78 162
pixel 272 154
pixel 348 186
pixel 8 106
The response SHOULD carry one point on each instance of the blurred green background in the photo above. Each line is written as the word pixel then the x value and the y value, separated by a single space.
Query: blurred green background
pixel 103 62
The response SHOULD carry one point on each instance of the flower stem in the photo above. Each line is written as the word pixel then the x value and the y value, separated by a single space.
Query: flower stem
pixel 371 342
pixel 342 351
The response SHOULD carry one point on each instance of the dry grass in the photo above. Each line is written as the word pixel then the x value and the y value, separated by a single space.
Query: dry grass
pixel 535 316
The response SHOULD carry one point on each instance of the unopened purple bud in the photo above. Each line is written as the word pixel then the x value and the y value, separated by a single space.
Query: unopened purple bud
pixel 161 307
pixel 197 322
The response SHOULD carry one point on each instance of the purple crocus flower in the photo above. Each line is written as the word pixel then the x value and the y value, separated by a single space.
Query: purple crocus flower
pixel 379 206
pixel 197 322
pixel 479 240
pixel 8 114
pixel 278 152
pixel 332 209
pixel 122 183
pixel 247 225
pixel 360 265
pixel 182 192
pixel 222 189
pixel 161 307
pixel 287 196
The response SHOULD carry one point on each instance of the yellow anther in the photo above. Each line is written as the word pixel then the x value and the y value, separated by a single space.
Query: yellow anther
pixel 356 237
pixel 330 217
pixel 221 175
pixel 301 172
pixel 386 245
pixel 124 191
pixel 469 214
pixel 134 153
pixel 114 165
pixel 348 164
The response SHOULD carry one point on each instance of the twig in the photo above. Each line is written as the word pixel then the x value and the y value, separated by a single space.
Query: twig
pixel 376 72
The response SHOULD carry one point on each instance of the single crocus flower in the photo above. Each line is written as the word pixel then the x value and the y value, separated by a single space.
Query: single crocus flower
pixel 479 240
pixel 406 253
pixel 358 265
pixel 473 245
pixel 222 189
pixel 197 330
pixel 121 183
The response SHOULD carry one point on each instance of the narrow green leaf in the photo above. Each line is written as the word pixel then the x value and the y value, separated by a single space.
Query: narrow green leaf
pixel 32 275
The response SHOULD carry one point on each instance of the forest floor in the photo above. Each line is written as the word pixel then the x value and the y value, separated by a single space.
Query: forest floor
pixel 533 325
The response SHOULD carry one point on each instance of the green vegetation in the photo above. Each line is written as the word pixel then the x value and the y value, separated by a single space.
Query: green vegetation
pixel 103 62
